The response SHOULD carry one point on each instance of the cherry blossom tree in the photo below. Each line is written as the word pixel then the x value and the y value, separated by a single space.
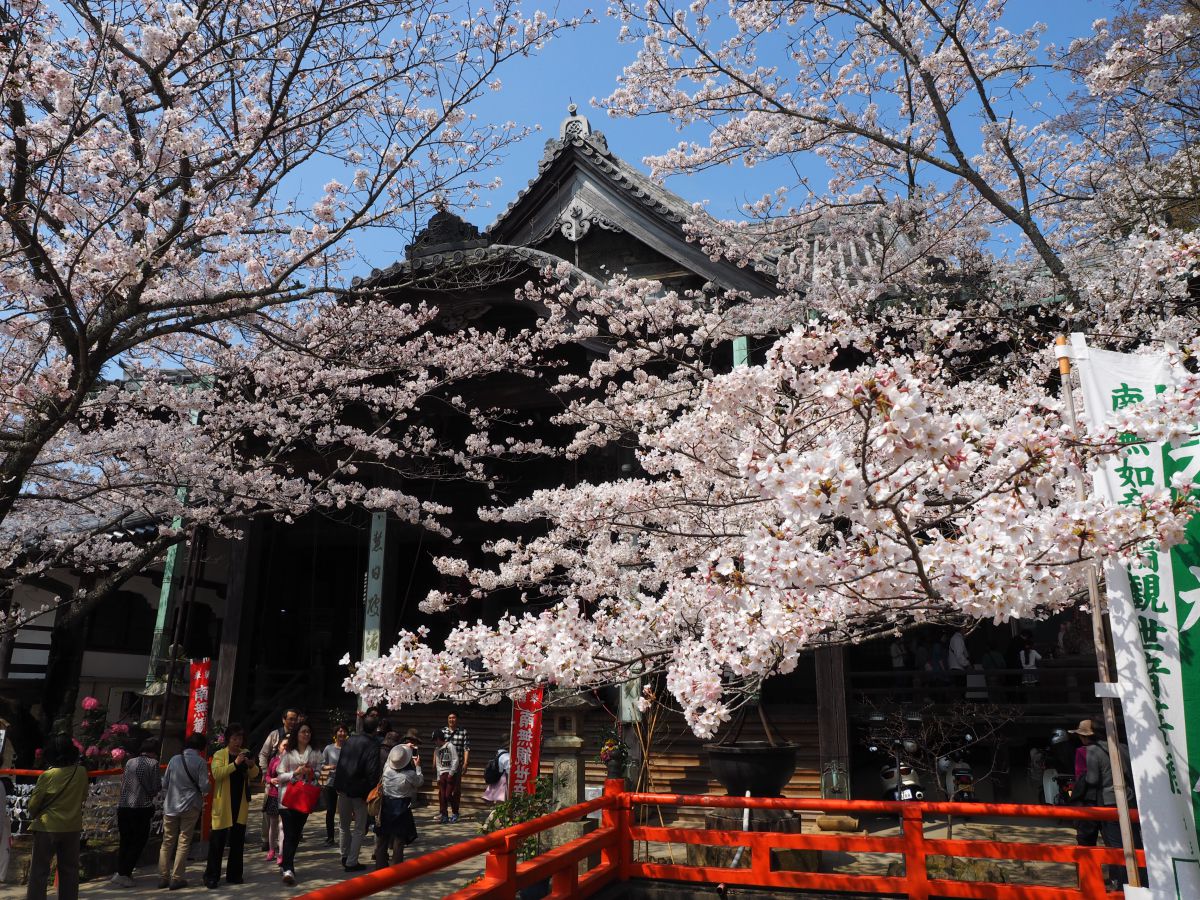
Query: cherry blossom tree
pixel 1146 56
pixel 179 340
pixel 900 455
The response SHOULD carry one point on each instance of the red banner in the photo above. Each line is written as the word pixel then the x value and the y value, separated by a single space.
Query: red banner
pixel 525 748
pixel 198 701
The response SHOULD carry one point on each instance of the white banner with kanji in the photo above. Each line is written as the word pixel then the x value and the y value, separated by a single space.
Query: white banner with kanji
pixel 1153 607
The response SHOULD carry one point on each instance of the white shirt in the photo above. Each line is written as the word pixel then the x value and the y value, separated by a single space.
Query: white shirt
pixel 959 659
pixel 402 782
pixel 293 760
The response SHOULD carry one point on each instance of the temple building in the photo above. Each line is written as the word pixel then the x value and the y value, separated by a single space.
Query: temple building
pixel 277 609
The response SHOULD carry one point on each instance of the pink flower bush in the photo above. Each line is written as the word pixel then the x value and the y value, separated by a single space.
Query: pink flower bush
pixel 90 703
pixel 118 755
pixel 92 752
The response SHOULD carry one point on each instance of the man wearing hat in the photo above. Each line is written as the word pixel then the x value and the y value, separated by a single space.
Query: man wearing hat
pixel 1096 789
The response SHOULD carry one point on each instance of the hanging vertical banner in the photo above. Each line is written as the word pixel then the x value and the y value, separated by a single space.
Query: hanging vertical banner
pixel 526 744
pixel 373 595
pixel 197 714
pixel 1154 604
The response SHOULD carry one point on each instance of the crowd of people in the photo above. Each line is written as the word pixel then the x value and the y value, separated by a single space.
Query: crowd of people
pixel 366 781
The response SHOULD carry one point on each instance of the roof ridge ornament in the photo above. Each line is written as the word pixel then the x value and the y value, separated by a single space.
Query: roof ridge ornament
pixel 574 126
pixel 445 232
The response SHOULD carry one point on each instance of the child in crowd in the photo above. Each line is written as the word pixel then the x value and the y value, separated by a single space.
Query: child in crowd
pixel 274 837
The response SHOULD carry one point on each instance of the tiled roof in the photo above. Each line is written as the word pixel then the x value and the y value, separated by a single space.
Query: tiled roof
pixel 430 265
pixel 637 185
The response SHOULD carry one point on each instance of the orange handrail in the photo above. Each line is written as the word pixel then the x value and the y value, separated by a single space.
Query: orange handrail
pixel 613 841
pixel 35 773
pixel 506 841
pixel 916 881
pixel 816 804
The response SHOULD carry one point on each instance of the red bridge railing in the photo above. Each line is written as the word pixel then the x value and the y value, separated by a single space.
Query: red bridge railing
pixel 613 843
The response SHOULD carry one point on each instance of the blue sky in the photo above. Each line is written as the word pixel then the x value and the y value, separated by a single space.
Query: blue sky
pixel 584 64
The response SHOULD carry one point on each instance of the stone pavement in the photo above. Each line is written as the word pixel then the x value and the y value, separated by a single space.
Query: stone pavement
pixel 316 865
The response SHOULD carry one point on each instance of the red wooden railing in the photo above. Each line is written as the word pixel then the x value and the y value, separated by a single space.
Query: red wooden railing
pixel 34 773
pixel 613 843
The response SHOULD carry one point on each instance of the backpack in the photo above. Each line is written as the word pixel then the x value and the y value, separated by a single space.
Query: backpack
pixel 491 772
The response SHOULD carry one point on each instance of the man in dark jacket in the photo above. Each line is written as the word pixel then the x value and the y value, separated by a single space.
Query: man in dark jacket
pixel 358 771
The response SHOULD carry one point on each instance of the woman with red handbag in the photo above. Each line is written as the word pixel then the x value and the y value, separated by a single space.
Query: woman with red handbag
pixel 299 795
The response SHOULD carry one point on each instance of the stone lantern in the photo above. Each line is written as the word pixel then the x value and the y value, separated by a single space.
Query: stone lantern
pixel 564 750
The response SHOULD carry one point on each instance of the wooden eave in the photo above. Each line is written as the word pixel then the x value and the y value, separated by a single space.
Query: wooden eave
pixel 582 171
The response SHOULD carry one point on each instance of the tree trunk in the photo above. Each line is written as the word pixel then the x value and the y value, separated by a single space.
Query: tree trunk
pixel 8 637
pixel 63 669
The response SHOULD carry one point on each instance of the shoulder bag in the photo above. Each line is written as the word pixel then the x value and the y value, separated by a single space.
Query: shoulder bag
pixel 301 796
pixel 375 800
pixel 190 776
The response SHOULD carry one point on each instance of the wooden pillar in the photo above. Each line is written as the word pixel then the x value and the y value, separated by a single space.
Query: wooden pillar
pixel 833 721
pixel 232 665
pixel 172 569
pixel 65 665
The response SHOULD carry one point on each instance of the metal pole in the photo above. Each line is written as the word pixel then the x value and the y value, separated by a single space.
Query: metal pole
pixel 164 605
pixel 1098 638
pixel 189 591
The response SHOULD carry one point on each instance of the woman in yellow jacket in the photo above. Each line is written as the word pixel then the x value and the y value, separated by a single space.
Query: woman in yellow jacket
pixel 56 817
pixel 232 769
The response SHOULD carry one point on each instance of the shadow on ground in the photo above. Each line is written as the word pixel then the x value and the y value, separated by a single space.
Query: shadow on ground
pixel 316 865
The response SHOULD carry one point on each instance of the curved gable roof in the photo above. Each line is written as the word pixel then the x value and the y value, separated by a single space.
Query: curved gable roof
pixel 581 182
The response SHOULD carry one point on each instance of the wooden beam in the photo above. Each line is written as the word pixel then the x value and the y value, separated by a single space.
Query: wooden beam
pixel 240 584
pixel 833 722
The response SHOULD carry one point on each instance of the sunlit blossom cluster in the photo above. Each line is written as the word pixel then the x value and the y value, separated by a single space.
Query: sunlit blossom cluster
pixel 900 455
pixel 178 345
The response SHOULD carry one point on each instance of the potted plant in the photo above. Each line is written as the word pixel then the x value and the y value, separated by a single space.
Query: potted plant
pixel 101 745
pixel 524 808
pixel 614 753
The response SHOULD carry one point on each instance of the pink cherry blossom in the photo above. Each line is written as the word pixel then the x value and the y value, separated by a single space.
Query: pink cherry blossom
pixel 174 301
pixel 901 454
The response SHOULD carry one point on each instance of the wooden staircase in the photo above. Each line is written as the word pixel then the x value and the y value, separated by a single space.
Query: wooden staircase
pixel 678 762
